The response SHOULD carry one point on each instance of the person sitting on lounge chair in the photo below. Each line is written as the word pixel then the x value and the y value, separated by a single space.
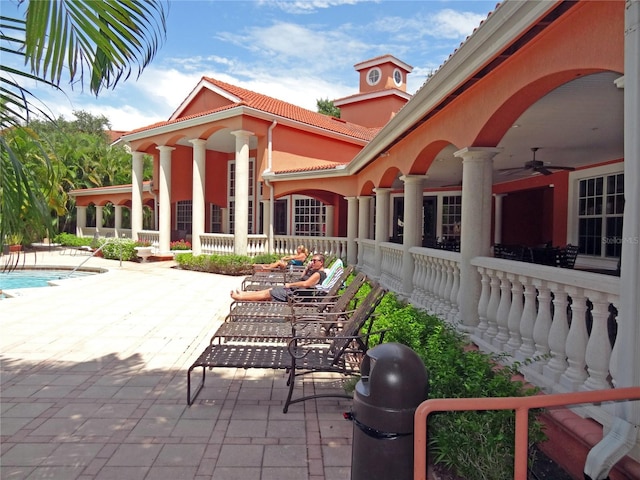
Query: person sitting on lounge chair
pixel 297 259
pixel 313 275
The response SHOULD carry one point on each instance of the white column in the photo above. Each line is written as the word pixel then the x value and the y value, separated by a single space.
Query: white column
pixel 352 230
pixel 383 196
pixel 266 216
pixel 197 196
pixel 241 211
pixel 224 212
pixel 99 220
pixel 625 364
pixel 81 220
pixel 165 198
pixel 475 239
pixel 329 215
pixel 136 193
pixel 117 219
pixel 629 318
pixel 497 217
pixel 364 205
pixel 412 236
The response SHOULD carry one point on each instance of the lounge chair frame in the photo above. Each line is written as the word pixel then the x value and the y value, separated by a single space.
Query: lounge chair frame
pixel 302 355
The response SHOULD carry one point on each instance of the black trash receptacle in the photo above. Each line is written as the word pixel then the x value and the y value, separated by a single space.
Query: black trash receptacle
pixel 394 382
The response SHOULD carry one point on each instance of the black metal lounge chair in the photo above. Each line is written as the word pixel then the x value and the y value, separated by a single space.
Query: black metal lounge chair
pixel 302 355
pixel 321 297
pixel 305 318
pixel 266 279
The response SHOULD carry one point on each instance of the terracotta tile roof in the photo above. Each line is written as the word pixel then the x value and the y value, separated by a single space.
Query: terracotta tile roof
pixel 294 112
pixel 310 168
pixel 274 106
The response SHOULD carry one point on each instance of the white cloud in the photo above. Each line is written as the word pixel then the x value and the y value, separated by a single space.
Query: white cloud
pixel 305 6
pixel 452 24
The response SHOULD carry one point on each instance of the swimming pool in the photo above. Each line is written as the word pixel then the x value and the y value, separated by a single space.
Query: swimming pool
pixel 40 277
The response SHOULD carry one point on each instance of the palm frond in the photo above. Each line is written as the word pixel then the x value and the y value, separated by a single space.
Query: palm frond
pixel 104 38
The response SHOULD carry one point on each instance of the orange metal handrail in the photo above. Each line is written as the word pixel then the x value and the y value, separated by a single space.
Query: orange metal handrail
pixel 521 405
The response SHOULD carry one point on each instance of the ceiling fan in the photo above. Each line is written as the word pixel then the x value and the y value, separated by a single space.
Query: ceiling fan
pixel 536 166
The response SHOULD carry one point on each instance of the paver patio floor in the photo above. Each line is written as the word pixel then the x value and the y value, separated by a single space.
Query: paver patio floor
pixel 93 386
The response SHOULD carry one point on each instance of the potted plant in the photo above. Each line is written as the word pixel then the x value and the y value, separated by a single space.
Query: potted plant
pixel 143 249
pixel 14 242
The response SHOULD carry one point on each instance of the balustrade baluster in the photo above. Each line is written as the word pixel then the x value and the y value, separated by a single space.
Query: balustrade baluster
pixel 492 307
pixel 502 314
pixel 483 304
pixel 528 321
pixel 558 335
pixel 577 339
pixel 614 365
pixel 448 285
pixel 598 351
pixel 542 325
pixel 515 314
pixel 454 292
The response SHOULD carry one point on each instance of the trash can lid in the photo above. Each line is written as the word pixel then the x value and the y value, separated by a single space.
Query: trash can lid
pixel 397 377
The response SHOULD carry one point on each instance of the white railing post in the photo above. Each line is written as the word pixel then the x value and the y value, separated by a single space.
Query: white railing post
pixel 515 315
pixel 598 350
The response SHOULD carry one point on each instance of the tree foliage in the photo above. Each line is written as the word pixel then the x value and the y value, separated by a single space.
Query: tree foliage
pixel 327 107
pixel 96 45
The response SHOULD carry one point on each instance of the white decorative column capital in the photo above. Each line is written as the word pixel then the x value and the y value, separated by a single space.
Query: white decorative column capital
pixel 477 153
pixel 242 134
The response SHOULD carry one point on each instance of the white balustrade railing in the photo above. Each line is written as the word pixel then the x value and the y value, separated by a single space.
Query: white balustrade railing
pixel 391 276
pixel 436 281
pixel 217 243
pixel 149 236
pixel 367 257
pixel 555 322
pixel 329 246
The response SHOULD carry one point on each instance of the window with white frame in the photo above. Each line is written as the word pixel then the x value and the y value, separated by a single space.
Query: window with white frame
pixel 232 192
pixel 600 210
pixel 216 219
pixel 184 216
pixel 451 216
pixel 309 217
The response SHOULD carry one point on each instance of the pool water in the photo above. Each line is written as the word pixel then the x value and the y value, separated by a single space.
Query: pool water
pixel 36 278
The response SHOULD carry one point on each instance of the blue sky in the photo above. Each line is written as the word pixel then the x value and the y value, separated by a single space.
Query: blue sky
pixel 296 51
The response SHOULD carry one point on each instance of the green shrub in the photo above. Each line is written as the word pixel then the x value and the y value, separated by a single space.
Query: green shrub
pixel 70 240
pixel 476 445
pixel 221 264
pixel 265 258
pixel 118 248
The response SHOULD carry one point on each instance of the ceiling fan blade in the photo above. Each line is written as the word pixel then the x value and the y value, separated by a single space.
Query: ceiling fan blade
pixel 543 170
pixel 558 167
pixel 510 171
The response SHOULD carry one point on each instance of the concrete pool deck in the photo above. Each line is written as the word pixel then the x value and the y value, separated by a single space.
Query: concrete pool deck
pixel 93 386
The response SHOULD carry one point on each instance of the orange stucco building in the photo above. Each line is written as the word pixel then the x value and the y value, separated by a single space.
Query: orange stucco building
pixel 526 138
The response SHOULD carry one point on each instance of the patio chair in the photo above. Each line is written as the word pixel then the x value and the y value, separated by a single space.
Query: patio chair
pixel 318 318
pixel 341 353
pixel 566 256
pixel 265 279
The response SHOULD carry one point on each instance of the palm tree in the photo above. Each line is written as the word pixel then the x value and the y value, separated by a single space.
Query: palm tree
pixel 96 44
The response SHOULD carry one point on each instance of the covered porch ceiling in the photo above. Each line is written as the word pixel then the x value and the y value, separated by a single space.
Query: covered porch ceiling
pixel 578 124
